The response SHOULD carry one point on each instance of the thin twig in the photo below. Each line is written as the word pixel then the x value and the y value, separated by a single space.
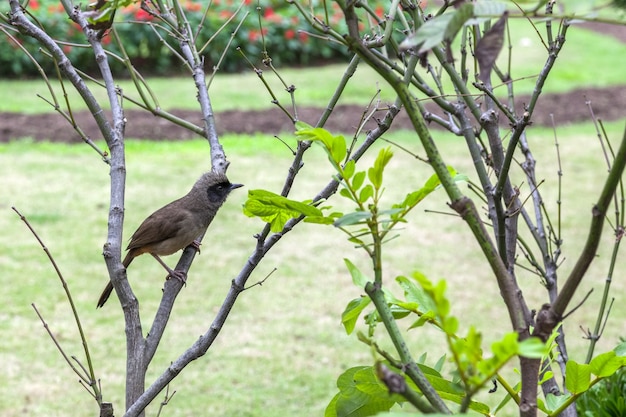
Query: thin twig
pixel 578 305
pixel 88 376
pixel 83 377
pixel 260 283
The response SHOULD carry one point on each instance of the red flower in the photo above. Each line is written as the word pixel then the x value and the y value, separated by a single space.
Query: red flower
pixel 34 5
pixel 253 35
pixel 271 16
pixel 193 7
pixel 290 34
pixel 225 14
pixel 141 14
pixel 55 8
pixel 380 12
pixel 336 17
pixel 303 36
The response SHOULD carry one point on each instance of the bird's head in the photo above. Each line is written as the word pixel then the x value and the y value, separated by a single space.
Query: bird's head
pixel 217 186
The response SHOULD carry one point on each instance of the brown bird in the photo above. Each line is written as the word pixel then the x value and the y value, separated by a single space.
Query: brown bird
pixel 178 224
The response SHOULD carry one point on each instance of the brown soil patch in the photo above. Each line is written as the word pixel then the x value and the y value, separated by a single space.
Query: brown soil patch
pixel 608 104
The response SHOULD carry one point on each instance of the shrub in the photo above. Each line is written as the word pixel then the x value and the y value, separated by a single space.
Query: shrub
pixel 606 399
pixel 278 26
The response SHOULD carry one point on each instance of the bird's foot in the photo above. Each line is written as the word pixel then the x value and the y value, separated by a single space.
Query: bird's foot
pixel 196 245
pixel 179 275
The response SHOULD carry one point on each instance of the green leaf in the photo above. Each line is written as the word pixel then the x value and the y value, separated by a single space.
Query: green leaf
pixel 439 365
pixel 606 364
pixel 506 347
pixel 441 28
pixel 546 376
pixel 415 293
pixel 348 169
pixel 338 149
pixel 335 146
pixel 447 390
pixel 276 200
pixel 316 134
pixel 620 350
pixel 331 408
pixel 429 186
pixel 276 209
pixel 489 8
pixel 368 382
pixel 356 217
pixel 555 401
pixel 366 193
pixel 450 325
pixel 390 212
pixel 358 179
pixel 300 126
pixel 346 379
pixel 439 296
pixel 375 173
pixel 352 312
pixel 405 414
pixel 358 278
pixel 412 199
pixel 460 16
pixel 409 307
pixel 352 401
pixel 344 192
pixel 434 182
pixel 532 348
pixel 424 318
pixel 429 35
pixel 355 240
pixel 577 377
pixel 319 220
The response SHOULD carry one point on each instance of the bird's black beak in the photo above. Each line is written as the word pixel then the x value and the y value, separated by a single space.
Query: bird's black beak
pixel 233 186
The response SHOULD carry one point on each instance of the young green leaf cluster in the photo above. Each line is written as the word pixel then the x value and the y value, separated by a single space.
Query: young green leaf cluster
pixel 427 300
pixel 364 388
pixel 365 189
pixel 276 209
pixel 581 376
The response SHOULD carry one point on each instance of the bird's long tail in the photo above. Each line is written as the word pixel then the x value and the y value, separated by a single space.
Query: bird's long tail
pixel 109 288
pixel 105 294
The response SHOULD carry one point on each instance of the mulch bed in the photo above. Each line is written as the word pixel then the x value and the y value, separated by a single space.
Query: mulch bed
pixel 607 104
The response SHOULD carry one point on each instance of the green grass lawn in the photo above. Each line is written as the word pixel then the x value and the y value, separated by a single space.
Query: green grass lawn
pixel 283 346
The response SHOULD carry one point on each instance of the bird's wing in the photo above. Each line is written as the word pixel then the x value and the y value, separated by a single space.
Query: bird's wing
pixel 159 226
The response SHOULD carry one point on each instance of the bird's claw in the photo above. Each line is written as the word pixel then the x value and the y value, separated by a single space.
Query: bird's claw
pixel 196 245
pixel 179 275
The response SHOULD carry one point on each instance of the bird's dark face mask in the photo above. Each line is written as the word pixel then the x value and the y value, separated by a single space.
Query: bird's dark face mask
pixel 218 192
